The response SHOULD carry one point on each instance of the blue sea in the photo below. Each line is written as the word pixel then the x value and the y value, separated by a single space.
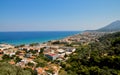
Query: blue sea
pixel 17 38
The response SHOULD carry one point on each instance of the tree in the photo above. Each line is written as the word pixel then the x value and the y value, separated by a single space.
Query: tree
pixel 41 50
pixel 34 44
pixel 62 72
pixel 7 69
pixel 6 57
pixel 17 59
pixel 30 64
pixel 41 64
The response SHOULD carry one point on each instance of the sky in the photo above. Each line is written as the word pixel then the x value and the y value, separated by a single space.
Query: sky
pixel 57 15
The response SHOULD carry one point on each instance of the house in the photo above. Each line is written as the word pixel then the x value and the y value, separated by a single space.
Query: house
pixel 5 46
pixel 12 62
pixel 68 53
pixel 12 53
pixel 61 52
pixel 1 52
pixel 71 49
pixel 40 71
pixel 28 55
pixel 52 56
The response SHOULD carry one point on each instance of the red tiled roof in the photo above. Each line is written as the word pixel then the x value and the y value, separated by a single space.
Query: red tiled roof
pixel 12 62
pixel 39 70
pixel 52 54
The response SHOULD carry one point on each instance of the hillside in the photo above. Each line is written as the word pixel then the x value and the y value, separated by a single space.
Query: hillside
pixel 98 58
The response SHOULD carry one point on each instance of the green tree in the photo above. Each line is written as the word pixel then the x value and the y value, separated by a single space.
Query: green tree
pixel 6 57
pixel 30 64
pixel 17 59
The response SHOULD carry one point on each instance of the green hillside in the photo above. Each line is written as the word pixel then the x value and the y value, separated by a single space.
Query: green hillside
pixel 98 58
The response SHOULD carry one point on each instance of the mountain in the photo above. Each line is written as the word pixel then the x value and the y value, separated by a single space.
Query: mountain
pixel 112 27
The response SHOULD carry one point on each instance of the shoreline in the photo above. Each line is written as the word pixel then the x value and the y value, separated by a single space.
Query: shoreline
pixel 31 41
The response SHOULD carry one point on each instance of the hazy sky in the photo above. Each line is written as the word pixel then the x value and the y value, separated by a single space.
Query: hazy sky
pixel 57 15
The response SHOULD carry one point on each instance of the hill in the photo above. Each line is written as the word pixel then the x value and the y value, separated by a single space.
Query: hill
pixel 97 58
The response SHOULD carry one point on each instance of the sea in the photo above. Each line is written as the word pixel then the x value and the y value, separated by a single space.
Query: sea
pixel 18 38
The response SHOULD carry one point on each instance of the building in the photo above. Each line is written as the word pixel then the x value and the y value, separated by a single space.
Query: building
pixel 5 46
pixel 40 71
pixel 61 52
pixel 52 56
pixel 71 49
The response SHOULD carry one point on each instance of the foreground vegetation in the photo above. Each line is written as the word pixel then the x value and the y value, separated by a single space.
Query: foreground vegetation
pixel 7 69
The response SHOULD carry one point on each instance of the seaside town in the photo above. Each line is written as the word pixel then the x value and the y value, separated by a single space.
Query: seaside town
pixel 45 58
pixel 59 37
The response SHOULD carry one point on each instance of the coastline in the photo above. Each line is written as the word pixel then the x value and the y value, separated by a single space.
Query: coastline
pixel 58 36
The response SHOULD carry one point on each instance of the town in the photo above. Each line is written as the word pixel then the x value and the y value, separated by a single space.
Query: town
pixel 45 58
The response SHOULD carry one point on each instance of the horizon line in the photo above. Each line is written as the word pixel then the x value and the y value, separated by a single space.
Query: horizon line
pixel 45 31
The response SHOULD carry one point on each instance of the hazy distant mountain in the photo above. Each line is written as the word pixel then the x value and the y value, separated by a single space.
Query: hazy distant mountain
pixel 114 26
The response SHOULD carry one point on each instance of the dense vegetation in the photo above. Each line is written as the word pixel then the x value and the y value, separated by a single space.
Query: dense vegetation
pixel 7 69
pixel 96 58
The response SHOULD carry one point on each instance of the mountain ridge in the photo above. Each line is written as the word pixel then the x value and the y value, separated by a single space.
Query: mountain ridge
pixel 112 27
